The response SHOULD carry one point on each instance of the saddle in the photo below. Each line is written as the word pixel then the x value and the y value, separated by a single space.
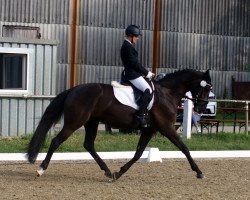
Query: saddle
pixel 127 94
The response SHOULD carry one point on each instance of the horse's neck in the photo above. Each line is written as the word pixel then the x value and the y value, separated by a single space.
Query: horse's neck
pixel 174 96
pixel 177 85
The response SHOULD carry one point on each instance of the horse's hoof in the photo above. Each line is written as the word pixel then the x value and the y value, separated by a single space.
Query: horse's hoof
pixel 201 176
pixel 40 172
pixel 115 176
pixel 108 174
pixel 31 159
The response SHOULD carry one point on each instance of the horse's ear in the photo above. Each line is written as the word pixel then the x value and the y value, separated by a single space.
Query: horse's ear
pixel 206 76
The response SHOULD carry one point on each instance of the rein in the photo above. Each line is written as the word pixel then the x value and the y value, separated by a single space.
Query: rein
pixel 196 99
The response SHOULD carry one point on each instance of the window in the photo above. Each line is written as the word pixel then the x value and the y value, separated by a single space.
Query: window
pixel 14 70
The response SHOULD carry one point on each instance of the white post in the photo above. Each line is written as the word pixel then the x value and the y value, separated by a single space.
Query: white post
pixel 187 118
pixel 246 127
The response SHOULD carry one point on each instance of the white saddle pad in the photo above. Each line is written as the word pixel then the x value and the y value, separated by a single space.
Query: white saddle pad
pixel 125 95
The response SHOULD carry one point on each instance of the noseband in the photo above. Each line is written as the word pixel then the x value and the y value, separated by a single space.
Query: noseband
pixel 203 85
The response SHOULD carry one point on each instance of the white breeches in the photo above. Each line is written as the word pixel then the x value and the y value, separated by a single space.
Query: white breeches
pixel 141 84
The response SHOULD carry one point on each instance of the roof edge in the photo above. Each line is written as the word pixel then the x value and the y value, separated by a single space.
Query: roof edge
pixel 28 41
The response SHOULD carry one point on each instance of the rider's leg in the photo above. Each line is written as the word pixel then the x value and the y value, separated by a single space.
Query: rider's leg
pixel 141 84
pixel 141 114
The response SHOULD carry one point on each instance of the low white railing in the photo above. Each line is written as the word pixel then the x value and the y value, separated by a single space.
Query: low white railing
pixel 187 115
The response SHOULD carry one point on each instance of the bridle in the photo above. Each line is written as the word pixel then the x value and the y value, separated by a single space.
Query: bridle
pixel 203 85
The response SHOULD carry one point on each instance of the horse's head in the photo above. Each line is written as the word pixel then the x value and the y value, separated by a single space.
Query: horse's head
pixel 200 91
pixel 198 83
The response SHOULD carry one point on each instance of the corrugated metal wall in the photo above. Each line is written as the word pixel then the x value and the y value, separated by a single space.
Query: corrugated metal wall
pixel 207 34
pixel 20 115
pixel 196 34
pixel 213 17
pixel 100 34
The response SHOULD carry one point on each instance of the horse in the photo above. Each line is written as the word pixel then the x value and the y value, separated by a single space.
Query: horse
pixel 88 104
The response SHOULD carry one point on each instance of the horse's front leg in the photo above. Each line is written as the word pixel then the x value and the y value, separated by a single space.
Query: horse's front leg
pixel 143 141
pixel 168 130
pixel 175 139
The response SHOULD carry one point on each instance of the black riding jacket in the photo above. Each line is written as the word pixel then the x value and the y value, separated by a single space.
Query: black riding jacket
pixel 133 68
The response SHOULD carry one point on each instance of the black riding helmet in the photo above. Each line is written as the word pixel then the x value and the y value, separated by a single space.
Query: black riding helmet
pixel 133 30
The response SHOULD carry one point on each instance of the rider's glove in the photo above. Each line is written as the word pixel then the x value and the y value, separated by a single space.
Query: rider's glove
pixel 150 75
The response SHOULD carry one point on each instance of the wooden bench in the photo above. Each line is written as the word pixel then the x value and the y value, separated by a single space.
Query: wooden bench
pixel 210 123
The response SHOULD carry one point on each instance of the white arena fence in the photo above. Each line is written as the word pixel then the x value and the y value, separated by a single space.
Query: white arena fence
pixel 149 155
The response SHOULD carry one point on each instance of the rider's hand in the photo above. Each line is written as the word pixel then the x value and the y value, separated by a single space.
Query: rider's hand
pixel 150 75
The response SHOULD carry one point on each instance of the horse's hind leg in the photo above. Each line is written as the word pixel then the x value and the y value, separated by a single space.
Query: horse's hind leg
pixel 55 143
pixel 90 135
pixel 143 141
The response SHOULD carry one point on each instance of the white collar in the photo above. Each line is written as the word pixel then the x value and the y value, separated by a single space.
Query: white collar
pixel 128 41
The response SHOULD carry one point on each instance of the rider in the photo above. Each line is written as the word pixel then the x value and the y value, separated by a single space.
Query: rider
pixel 134 72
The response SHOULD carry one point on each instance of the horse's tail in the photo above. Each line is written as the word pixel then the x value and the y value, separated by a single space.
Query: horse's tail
pixel 51 115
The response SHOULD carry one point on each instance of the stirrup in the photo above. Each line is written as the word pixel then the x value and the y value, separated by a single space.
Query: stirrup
pixel 142 120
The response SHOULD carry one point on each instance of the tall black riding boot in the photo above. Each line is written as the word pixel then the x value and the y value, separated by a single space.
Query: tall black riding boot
pixel 141 114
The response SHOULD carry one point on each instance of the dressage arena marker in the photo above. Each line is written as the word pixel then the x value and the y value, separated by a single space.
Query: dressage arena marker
pixel 149 155
pixel 153 155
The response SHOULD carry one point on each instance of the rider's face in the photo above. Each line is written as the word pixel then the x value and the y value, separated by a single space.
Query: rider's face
pixel 135 39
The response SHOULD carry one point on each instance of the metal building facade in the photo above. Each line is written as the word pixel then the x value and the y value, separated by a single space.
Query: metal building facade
pixel 196 34
pixel 20 114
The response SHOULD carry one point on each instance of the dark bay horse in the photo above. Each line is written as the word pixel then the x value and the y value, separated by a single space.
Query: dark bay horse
pixel 89 104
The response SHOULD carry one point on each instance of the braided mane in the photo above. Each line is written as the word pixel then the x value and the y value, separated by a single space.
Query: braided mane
pixel 177 73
